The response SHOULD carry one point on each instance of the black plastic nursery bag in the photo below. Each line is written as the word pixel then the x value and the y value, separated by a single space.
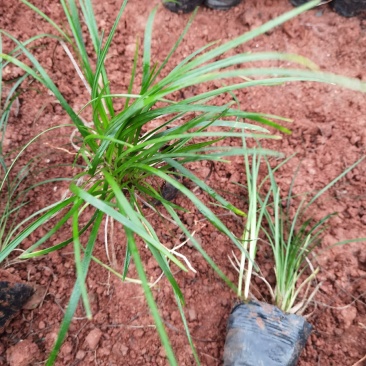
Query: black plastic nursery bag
pixel 184 6
pixel 221 4
pixel 12 297
pixel 347 8
pixel 259 334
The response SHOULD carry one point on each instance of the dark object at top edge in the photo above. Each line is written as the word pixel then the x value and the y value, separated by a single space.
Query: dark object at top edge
pixel 187 6
pixel 349 8
pixel 183 6
pixel 222 4
pixel 346 8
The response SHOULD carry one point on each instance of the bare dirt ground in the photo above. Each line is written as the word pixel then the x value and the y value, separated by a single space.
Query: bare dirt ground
pixel 328 134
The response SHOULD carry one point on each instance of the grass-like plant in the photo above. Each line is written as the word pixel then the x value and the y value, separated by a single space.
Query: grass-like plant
pixel 12 199
pixel 293 240
pixel 253 224
pixel 15 170
pixel 122 154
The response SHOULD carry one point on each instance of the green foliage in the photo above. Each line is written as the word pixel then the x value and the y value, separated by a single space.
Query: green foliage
pixel 12 199
pixel 292 238
pixel 253 224
pixel 15 184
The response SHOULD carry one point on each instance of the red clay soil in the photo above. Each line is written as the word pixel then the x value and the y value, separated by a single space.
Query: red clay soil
pixel 328 134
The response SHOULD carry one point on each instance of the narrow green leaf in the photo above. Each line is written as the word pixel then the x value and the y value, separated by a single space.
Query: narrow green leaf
pixel 134 226
pixel 79 269
pixel 75 296
pixel 146 77
pixel 150 300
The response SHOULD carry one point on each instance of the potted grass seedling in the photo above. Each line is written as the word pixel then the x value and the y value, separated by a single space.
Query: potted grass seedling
pixel 274 334
pixel 259 333
pixel 122 154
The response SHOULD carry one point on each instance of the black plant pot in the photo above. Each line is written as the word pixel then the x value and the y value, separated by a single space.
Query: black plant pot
pixel 259 334
pixel 346 8
pixel 12 297
pixel 183 6
pixel 349 8
pixel 222 4
pixel 298 2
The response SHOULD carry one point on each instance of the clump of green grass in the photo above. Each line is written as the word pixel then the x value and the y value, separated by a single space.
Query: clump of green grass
pixel 292 238
pixel 16 170
pixel 121 156
pixel 12 199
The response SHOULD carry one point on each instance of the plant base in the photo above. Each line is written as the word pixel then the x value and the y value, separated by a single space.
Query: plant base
pixel 261 334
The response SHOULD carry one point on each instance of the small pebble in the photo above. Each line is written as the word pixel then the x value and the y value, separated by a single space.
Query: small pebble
pixel 80 355
pixel 348 315
pixel 124 350
pixel 93 338
pixel 24 353
pixel 338 332
pixel 319 13
pixel 192 315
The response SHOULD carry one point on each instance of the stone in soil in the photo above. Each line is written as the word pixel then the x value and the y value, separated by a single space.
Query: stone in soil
pixel 24 353
pixel 93 338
